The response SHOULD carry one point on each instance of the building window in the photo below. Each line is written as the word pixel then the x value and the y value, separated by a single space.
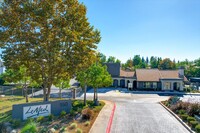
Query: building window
pixel 154 84
pixel 167 85
pixel 147 85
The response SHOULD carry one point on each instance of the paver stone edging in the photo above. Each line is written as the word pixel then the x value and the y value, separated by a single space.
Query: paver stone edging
pixel 177 117
pixel 111 119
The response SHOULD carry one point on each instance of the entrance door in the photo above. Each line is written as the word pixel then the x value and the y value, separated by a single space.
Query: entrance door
pixel 115 83
pixel 122 83
pixel 135 84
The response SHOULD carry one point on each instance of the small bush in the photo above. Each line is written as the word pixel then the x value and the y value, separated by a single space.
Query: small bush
pixel 63 113
pixel 87 123
pixel 30 128
pixel 193 124
pixel 90 103
pixel 79 110
pixel 50 117
pixel 197 128
pixel 56 126
pixel 43 130
pixel 87 114
pixel 189 119
pixel 79 130
pixel 181 112
pixel 72 112
pixel 193 109
pixel 29 120
pixel 173 100
pixel 184 117
pixel 40 119
pixel 73 126
pixel 16 123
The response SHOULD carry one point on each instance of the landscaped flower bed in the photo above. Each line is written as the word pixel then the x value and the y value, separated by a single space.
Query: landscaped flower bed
pixel 186 111
pixel 79 120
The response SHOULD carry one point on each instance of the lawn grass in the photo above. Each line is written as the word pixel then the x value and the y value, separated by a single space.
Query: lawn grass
pixel 7 102
pixel 6 105
pixel 61 122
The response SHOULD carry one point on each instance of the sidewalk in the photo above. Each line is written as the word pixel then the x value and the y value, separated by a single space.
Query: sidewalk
pixel 101 123
pixel 164 92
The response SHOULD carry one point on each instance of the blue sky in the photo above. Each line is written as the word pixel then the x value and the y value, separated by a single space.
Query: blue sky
pixel 164 28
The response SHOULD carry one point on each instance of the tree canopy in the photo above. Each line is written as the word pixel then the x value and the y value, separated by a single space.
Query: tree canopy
pixel 52 39
pixel 166 64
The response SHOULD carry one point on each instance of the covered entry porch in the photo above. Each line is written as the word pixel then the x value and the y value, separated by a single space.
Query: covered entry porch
pixel 172 84
pixel 125 83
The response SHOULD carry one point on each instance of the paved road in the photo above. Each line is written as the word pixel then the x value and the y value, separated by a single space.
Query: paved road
pixel 141 113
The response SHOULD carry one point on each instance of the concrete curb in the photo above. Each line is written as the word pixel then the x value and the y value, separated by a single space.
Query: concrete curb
pixel 177 117
pixel 111 119
pixel 106 102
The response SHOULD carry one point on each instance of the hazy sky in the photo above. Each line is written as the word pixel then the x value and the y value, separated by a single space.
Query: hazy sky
pixel 164 28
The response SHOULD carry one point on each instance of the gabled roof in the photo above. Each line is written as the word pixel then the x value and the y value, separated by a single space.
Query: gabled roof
pixel 127 73
pixel 170 74
pixel 155 74
pixel 147 75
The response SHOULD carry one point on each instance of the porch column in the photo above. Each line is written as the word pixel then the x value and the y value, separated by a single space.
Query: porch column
pixel 181 86
pixel 172 86
pixel 162 85
pixel 118 82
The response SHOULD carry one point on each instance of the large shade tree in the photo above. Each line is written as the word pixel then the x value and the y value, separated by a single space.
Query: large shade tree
pixel 51 38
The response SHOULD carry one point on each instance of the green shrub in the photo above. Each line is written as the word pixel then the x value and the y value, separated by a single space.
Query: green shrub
pixel 72 112
pixel 73 126
pixel 29 120
pixel 173 100
pixel 193 124
pixel 184 117
pixel 16 123
pixel 197 128
pixel 43 130
pixel 79 130
pixel 40 119
pixel 87 114
pixel 56 126
pixel 97 108
pixel 30 128
pixel 181 112
pixel 189 119
pixel 193 109
pixel 63 113
pixel 87 123
pixel 79 110
pixel 50 117
pixel 90 103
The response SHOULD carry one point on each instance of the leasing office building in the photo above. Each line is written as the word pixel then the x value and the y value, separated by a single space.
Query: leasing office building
pixel 153 79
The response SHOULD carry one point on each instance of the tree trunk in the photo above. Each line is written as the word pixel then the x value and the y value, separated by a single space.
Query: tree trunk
pixel 26 93
pixel 94 95
pixel 44 93
pixel 48 93
pixel 85 90
pixel 60 93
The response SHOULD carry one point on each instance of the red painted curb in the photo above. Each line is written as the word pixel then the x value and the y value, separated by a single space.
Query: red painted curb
pixel 111 119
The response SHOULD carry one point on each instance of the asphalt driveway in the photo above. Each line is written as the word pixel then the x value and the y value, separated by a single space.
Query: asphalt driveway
pixel 140 113
pixel 143 115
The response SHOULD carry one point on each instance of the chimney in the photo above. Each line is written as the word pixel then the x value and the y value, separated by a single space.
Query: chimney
pixel 181 72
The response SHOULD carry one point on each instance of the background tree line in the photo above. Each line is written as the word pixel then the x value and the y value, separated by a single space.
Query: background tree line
pixel 192 68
